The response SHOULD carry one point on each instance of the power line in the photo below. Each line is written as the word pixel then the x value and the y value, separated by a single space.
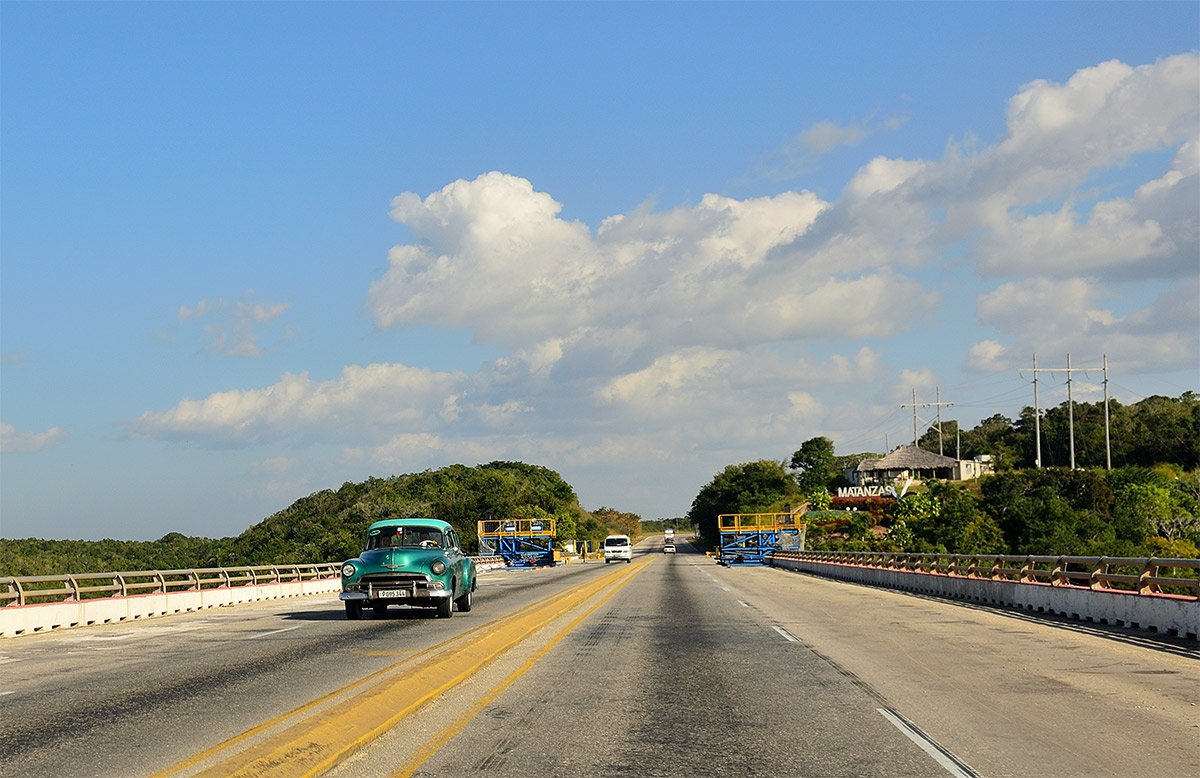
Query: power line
pixel 1037 412
pixel 938 404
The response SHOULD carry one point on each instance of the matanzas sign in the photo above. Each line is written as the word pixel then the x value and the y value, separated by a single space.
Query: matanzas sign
pixel 873 491
pixel 866 491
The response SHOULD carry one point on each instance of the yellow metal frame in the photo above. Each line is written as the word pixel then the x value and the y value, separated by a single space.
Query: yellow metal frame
pixel 496 528
pixel 759 522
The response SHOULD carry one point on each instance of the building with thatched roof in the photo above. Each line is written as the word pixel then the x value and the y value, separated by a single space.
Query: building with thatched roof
pixel 917 464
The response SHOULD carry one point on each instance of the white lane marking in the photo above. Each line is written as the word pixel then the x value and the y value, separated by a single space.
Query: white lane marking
pixel 744 605
pixel 4 693
pixel 949 762
pixel 7 659
pixel 724 588
pixel 789 637
pixel 273 632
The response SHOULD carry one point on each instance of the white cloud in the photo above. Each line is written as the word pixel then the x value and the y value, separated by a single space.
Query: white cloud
pixel 1056 318
pixel 234 328
pixel 1060 135
pixel 723 272
pixel 825 136
pixel 988 356
pixel 728 329
pixel 14 442
pixel 364 401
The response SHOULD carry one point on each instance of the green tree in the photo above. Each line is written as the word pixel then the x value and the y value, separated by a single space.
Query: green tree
pixel 814 463
pixel 746 488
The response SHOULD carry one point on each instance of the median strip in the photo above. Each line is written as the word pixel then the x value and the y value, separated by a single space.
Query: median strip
pixel 324 738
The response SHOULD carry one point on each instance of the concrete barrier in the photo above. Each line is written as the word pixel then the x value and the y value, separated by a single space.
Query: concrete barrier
pixel 44 617
pixel 1176 615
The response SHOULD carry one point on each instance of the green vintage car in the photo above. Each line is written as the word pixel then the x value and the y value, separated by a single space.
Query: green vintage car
pixel 415 562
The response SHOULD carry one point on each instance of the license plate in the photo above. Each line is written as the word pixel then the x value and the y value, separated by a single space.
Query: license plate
pixel 391 593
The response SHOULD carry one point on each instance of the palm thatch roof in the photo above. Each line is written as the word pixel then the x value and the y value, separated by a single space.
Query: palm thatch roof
pixel 909 458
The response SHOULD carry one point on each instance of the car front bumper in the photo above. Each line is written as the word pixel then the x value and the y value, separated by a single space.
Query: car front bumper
pixel 396 595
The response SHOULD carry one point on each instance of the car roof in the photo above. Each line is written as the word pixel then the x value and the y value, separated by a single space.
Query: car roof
pixel 438 523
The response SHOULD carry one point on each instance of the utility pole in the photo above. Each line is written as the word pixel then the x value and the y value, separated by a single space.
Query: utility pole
pixel 914 405
pixel 1070 407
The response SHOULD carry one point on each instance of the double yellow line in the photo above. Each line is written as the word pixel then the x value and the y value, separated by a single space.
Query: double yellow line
pixel 327 732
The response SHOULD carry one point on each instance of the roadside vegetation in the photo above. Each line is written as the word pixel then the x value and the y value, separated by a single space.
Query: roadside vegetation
pixel 1147 505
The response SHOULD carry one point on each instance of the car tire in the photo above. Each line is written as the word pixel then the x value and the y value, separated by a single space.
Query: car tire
pixel 445 608
pixel 353 610
pixel 606 561
pixel 464 603
pixel 380 608
pixel 629 561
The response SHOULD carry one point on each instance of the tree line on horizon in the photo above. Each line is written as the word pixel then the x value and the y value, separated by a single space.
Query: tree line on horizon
pixel 1147 505
pixel 329 525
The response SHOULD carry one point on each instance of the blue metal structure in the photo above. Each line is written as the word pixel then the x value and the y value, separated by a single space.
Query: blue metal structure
pixel 747 538
pixel 521 542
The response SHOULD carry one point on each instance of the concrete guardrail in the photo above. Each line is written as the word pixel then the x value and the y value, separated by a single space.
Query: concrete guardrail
pixel 1148 593
pixel 40 603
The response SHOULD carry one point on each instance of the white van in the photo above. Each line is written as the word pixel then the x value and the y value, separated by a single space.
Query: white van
pixel 617 547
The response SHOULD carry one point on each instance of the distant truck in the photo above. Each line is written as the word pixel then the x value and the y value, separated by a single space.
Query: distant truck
pixel 670 535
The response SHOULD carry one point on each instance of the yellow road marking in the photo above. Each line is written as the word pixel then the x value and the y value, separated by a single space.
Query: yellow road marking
pixel 324 737
pixel 182 767
pixel 426 752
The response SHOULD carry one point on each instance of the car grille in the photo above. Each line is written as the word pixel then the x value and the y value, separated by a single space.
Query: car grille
pixel 398 580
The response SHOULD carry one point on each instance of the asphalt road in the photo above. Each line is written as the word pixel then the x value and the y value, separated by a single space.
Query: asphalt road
pixel 681 667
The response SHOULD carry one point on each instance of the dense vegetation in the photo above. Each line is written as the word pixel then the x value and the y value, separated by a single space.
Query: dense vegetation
pixel 1149 504
pixel 328 526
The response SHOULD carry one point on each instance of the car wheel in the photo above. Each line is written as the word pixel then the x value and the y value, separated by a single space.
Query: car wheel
pixel 629 561
pixel 380 608
pixel 464 603
pixel 353 610
pixel 606 561
pixel 445 608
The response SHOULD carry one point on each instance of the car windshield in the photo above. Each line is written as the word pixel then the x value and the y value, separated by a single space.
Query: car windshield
pixel 404 537
pixel 616 541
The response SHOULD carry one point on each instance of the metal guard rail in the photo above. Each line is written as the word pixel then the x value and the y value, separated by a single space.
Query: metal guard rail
pixel 26 590
pixel 1140 575
pixel 31 589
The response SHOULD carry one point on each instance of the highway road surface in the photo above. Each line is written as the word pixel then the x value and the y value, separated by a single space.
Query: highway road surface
pixel 669 666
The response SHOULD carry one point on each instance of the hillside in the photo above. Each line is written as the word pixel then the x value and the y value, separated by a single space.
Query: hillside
pixel 329 525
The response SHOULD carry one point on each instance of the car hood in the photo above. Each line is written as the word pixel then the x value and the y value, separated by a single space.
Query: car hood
pixel 400 558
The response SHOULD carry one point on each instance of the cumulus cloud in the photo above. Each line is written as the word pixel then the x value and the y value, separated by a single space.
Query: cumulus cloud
pixel 494 256
pixel 728 325
pixel 364 401
pixel 12 441
pixel 1060 135
pixel 233 328
pixel 1058 317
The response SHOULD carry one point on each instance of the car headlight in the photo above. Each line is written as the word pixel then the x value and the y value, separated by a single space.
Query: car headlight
pixel 438 567
pixel 348 570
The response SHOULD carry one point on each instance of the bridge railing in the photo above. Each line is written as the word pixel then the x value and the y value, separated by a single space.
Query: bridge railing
pixel 1148 576
pixel 31 589
pixel 38 603
pixel 1144 592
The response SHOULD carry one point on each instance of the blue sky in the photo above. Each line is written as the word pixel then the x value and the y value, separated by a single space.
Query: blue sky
pixel 250 251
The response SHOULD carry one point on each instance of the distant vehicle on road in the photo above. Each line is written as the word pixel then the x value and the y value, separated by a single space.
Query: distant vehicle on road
pixel 617 548
pixel 668 548
pixel 414 562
